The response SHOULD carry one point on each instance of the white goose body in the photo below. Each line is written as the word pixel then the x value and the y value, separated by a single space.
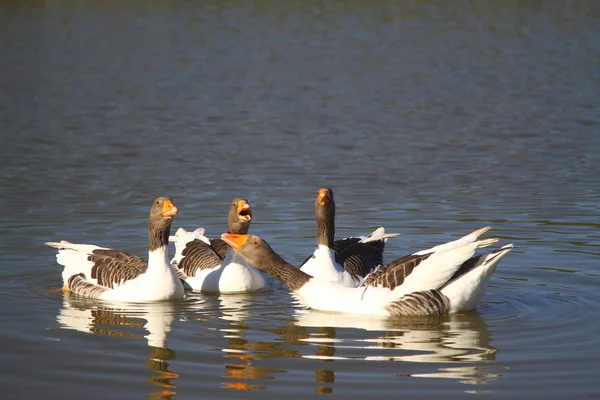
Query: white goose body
pixel 233 275
pixel 346 261
pixel 204 265
pixel 464 294
pixel 431 274
pixel 158 282
pixel 334 297
pixel 322 265
pixel 102 273
pixel 446 281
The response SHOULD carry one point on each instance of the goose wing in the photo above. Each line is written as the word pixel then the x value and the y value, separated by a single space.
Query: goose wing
pixel 112 268
pixel 198 255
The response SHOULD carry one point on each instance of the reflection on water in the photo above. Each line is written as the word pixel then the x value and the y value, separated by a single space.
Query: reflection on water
pixel 459 340
pixel 240 353
pixel 451 347
pixel 129 320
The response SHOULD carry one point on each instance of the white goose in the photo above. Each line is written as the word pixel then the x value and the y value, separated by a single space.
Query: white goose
pixel 345 261
pixel 447 280
pixel 210 265
pixel 107 274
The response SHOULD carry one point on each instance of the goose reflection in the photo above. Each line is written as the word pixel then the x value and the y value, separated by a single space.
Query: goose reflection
pixel 128 320
pixel 458 346
pixel 240 353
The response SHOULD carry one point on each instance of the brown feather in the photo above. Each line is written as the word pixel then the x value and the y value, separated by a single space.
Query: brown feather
pixel 197 255
pixel 394 273
pixel 358 259
pixel 79 286
pixel 113 267
pixel 219 246
pixel 427 302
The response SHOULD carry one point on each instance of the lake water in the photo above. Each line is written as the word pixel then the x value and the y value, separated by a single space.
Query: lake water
pixel 430 118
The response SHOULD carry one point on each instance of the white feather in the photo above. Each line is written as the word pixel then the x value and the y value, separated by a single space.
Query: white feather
pixel 159 282
pixel 234 275
pixel 378 234
pixel 438 268
pixel 464 293
pixel 322 264
pixel 74 258
pixel 430 274
pixel 468 290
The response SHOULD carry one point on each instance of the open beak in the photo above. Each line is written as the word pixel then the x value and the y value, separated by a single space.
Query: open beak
pixel 323 196
pixel 244 211
pixel 235 241
pixel 169 210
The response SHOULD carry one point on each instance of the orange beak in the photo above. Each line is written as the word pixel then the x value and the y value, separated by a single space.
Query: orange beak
pixel 243 210
pixel 169 209
pixel 323 196
pixel 235 241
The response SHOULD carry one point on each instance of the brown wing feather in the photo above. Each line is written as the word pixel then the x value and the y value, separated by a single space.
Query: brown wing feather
pixel 394 273
pixel 426 302
pixel 197 255
pixel 219 246
pixel 358 259
pixel 79 286
pixel 113 267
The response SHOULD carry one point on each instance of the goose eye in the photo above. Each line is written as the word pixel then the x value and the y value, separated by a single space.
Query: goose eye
pixel 255 242
pixel 157 202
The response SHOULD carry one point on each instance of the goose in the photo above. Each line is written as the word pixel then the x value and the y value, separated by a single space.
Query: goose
pixel 106 274
pixel 209 265
pixel 448 280
pixel 345 261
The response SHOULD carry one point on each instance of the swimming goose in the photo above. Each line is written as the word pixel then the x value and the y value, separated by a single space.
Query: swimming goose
pixel 345 261
pixel 446 281
pixel 107 274
pixel 210 265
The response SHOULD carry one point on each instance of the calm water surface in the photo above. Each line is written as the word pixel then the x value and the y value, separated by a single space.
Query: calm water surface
pixel 429 118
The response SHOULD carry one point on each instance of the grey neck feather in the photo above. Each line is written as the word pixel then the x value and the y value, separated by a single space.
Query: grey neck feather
pixel 325 215
pixel 158 232
pixel 285 273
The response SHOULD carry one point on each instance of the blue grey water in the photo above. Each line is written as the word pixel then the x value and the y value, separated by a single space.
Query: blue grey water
pixel 430 118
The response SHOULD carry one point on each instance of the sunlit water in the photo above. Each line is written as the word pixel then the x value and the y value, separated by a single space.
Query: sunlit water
pixel 428 118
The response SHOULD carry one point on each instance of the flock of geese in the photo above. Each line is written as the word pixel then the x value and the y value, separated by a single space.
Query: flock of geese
pixel 344 276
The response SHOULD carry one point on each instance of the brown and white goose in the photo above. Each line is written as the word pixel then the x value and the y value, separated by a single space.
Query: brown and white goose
pixel 345 261
pixel 107 274
pixel 210 265
pixel 447 280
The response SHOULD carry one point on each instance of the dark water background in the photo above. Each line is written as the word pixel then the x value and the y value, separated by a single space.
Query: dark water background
pixel 431 118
